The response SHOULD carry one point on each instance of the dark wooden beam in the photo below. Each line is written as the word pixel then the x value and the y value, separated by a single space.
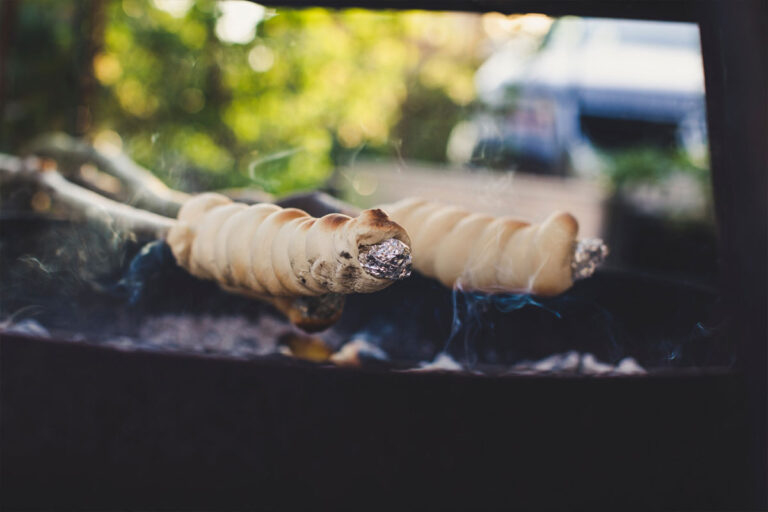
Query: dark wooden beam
pixel 671 10
pixel 735 45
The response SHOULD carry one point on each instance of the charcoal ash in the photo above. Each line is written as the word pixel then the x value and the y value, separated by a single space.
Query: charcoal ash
pixel 236 337
pixel 565 364
pixel 360 352
pixel 441 363
pixel 233 336
pixel 26 326
pixel 575 363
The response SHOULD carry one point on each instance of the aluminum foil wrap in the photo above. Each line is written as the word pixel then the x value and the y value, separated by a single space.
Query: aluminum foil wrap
pixel 390 259
pixel 588 254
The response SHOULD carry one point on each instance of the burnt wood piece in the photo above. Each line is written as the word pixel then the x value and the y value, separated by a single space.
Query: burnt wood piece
pixel 665 10
pixel 88 427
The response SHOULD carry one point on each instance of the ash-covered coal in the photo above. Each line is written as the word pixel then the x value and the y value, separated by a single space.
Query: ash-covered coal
pixel 575 363
pixel 442 362
pixel 233 336
pixel 568 363
pixel 26 326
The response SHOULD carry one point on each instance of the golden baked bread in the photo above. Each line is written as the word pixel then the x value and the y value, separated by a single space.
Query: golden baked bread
pixel 269 251
pixel 475 251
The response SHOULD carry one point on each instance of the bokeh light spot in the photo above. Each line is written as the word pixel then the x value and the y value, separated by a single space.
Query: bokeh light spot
pixel 238 21
pixel 108 141
pixel 133 8
pixel 365 183
pixel 261 58
pixel 107 68
pixel 176 8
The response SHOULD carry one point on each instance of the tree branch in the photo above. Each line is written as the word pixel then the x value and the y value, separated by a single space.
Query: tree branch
pixel 144 190
pixel 82 203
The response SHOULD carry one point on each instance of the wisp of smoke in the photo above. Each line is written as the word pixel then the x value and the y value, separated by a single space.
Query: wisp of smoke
pixel 472 317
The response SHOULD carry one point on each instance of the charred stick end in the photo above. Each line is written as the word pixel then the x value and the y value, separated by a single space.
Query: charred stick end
pixel 311 314
pixel 390 259
pixel 588 254
pixel 322 307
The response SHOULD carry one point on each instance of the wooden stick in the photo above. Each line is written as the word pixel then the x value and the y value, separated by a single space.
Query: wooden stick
pixel 149 193
pixel 83 203
pixel 143 188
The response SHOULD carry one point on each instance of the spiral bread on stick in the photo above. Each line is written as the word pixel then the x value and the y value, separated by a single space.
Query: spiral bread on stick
pixel 264 250
pixel 482 252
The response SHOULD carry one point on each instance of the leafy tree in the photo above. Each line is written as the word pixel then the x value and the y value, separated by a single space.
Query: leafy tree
pixel 274 111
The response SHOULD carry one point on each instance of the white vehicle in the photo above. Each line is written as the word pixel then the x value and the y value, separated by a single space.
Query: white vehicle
pixel 603 83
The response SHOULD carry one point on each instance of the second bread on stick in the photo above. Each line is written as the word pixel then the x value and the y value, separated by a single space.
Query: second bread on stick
pixel 481 252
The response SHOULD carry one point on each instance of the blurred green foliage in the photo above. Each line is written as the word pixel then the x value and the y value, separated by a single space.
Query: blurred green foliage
pixel 652 165
pixel 278 112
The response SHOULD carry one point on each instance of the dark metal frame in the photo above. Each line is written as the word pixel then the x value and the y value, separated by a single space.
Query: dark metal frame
pixel 302 436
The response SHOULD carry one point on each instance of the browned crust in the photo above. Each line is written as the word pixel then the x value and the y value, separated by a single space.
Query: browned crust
pixel 377 220
pixel 304 226
pixel 515 224
pixel 334 220
pixel 568 222
pixel 289 214
pixel 376 216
